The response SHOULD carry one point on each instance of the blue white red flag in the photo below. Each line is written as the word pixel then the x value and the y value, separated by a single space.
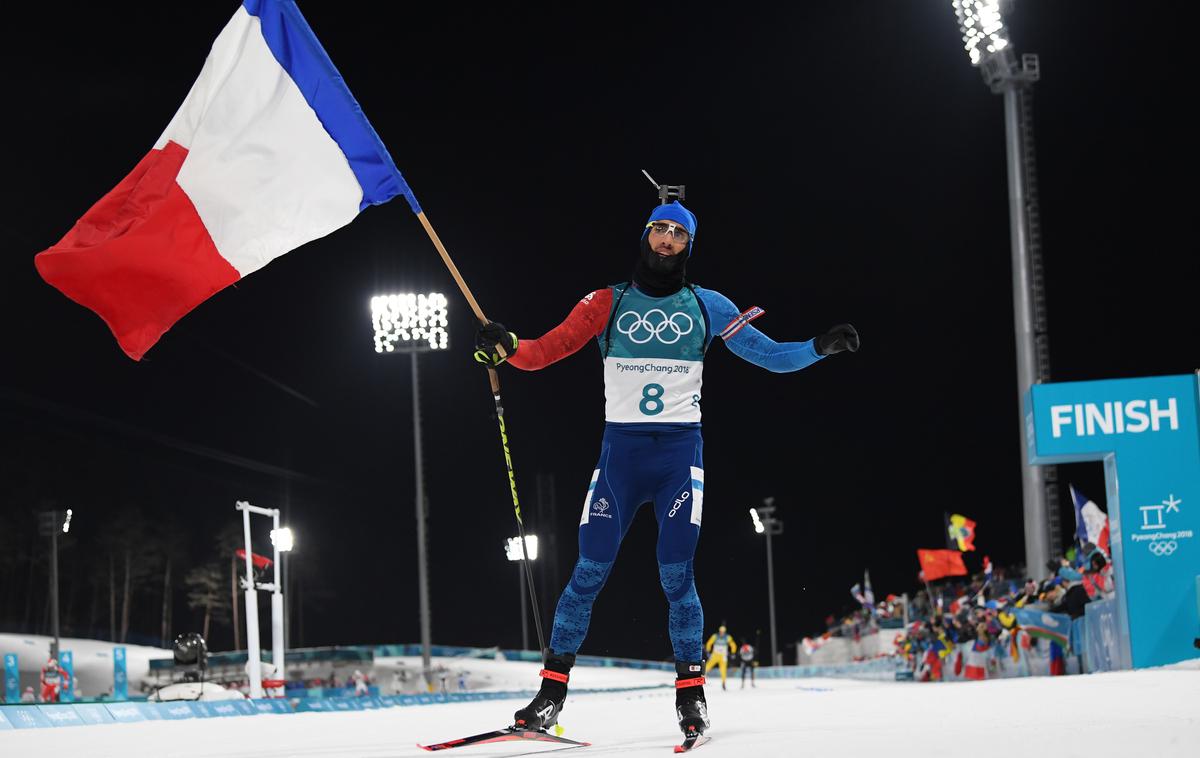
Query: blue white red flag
pixel 1091 523
pixel 268 151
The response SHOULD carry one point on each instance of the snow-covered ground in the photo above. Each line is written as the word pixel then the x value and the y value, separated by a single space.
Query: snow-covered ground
pixel 1137 713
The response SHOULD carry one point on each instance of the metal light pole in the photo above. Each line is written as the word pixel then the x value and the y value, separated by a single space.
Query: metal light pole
pixel 985 39
pixel 50 523
pixel 414 324
pixel 512 549
pixel 250 590
pixel 282 540
pixel 766 523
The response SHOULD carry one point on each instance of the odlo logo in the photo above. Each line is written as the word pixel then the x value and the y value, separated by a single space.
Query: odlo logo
pixel 599 507
pixel 679 501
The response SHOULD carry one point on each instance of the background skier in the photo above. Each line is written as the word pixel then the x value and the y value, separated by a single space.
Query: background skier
pixel 720 645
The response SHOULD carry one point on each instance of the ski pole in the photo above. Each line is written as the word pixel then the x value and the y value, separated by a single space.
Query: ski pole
pixel 494 380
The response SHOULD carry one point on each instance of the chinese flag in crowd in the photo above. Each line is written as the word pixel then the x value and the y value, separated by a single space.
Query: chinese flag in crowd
pixel 939 563
pixel 962 531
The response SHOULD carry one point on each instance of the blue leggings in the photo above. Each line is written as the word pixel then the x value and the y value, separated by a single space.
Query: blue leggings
pixel 663 466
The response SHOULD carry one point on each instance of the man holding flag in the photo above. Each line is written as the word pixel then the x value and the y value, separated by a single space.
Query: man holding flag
pixel 653 332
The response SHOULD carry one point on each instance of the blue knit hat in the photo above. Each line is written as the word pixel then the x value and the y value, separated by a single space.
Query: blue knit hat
pixel 675 211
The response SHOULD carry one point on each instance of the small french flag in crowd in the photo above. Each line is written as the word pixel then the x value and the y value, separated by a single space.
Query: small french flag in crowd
pixel 269 151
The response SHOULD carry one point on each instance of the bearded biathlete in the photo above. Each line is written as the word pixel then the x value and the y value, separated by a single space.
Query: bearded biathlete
pixel 652 331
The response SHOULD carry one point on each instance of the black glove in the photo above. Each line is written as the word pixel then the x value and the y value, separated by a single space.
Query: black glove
pixel 489 338
pixel 838 338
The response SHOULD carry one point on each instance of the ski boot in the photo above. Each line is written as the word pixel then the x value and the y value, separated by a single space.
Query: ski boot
pixel 690 705
pixel 542 712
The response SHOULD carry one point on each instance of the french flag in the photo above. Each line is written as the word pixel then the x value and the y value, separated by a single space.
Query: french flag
pixel 269 151
pixel 1091 523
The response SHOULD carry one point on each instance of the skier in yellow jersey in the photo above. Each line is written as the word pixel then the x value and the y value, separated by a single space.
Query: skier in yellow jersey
pixel 719 645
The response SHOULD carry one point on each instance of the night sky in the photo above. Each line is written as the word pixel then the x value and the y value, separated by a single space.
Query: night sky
pixel 846 163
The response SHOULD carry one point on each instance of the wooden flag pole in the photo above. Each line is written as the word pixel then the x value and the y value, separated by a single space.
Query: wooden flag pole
pixel 494 379
pixel 462 285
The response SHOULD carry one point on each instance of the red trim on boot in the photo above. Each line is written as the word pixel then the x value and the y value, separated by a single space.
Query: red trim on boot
pixel 697 682
pixel 547 674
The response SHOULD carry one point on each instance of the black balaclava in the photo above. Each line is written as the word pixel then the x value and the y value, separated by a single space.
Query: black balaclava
pixel 657 275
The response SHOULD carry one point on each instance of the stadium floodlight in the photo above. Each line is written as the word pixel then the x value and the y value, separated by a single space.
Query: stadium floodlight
pixel 409 321
pixel 982 26
pixel 283 539
pixel 66 527
pixel 758 524
pixel 512 548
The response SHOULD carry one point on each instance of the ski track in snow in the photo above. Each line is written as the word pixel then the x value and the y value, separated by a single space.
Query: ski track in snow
pixel 1152 713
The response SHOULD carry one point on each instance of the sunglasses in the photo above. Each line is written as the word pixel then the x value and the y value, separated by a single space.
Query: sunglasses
pixel 677 232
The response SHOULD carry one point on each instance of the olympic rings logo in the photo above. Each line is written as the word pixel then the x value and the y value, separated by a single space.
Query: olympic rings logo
pixel 641 329
pixel 1163 548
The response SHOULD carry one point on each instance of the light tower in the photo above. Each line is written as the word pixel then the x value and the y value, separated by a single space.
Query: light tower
pixel 414 324
pixel 985 39
pixel 766 522
pixel 514 552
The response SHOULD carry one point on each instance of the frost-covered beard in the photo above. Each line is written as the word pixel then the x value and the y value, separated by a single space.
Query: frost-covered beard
pixel 659 275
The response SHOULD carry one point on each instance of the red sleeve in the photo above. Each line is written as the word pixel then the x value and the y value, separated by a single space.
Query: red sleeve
pixel 586 320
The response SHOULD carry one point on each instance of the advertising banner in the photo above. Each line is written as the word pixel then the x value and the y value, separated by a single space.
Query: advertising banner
pixel 120 677
pixel 67 660
pixel 12 679
pixel 1146 433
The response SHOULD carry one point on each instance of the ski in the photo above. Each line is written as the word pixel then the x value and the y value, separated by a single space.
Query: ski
pixel 508 734
pixel 691 742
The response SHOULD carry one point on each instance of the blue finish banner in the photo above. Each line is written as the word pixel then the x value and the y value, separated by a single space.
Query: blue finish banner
pixel 4 724
pixel 67 660
pixel 12 679
pixel 120 674
pixel 1147 433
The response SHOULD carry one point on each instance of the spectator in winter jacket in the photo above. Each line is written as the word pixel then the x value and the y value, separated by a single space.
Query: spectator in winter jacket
pixel 977 656
pixel 1070 600
pixel 1098 580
